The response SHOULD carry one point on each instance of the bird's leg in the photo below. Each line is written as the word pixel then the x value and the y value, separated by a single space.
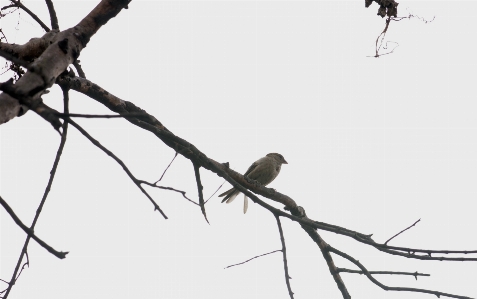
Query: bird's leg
pixel 253 182
pixel 271 191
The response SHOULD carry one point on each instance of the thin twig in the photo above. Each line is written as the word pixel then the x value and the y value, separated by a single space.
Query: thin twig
pixel 28 231
pixel 119 161
pixel 252 258
pixel 54 19
pixel 415 274
pixel 386 243
pixel 284 251
pixel 168 188
pixel 175 155
pixel 34 16
pixel 199 189
pixel 387 288
pixel 215 191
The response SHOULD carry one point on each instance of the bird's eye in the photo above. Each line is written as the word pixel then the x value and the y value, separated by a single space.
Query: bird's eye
pixel 280 156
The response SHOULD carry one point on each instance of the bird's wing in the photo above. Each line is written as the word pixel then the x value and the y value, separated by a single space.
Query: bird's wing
pixel 251 168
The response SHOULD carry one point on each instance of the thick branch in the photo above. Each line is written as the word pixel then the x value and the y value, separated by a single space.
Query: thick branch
pixel 63 51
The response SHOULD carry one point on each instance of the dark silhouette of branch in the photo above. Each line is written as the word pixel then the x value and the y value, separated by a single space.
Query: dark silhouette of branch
pixel 119 161
pixel 415 274
pixel 160 179
pixel 34 16
pixel 168 188
pixel 24 251
pixel 29 232
pixel 252 258
pixel 215 192
pixel 53 17
pixel 329 260
pixel 387 288
pixel 386 243
pixel 284 251
pixel 79 69
pixel 199 189
pixel 14 59
pixel 189 151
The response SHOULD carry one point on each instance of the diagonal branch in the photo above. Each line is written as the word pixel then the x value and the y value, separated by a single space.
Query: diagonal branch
pixel 252 258
pixel 189 151
pixel 386 243
pixel 34 16
pixel 29 232
pixel 119 161
pixel 284 251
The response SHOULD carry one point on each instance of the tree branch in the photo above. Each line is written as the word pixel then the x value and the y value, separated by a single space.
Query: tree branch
pixel 284 251
pixel 34 16
pixel 29 232
pixel 54 19
pixel 415 274
pixel 199 189
pixel 387 288
pixel 45 194
pixel 119 161
pixel 252 258
pixel 386 243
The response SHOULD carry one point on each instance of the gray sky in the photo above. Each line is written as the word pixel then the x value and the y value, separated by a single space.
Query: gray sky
pixel 372 144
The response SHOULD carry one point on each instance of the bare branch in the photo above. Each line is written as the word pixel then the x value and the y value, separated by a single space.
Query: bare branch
pixel 252 258
pixel 386 243
pixel 29 232
pixel 79 69
pixel 54 19
pixel 45 195
pixel 329 260
pixel 415 274
pixel 119 161
pixel 199 189
pixel 387 288
pixel 215 192
pixel 284 251
pixel 150 123
pixel 175 155
pixel 168 188
pixel 34 16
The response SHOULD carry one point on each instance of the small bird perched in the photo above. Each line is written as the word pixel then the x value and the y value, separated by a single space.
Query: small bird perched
pixel 264 171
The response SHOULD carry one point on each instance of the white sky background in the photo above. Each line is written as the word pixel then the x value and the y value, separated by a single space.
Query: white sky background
pixel 372 145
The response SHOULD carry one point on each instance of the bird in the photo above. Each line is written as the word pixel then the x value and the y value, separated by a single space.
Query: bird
pixel 264 171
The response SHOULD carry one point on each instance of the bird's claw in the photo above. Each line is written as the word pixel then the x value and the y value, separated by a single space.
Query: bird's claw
pixel 253 182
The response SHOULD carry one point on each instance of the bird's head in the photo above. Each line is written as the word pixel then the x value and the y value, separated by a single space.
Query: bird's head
pixel 279 158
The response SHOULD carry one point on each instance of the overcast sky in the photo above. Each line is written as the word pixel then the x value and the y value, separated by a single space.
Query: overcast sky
pixel 372 144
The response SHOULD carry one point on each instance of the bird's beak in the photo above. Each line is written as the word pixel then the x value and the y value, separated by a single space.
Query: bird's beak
pixel 284 161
